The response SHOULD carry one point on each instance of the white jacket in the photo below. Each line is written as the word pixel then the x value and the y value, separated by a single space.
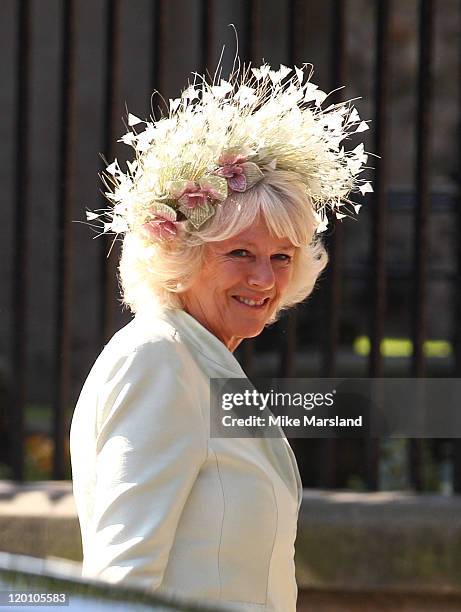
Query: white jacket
pixel 161 504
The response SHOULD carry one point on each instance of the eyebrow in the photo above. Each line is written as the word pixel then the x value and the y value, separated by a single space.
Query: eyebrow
pixel 285 247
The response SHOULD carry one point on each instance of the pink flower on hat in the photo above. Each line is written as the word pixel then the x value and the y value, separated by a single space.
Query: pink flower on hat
pixel 160 228
pixel 193 195
pixel 231 168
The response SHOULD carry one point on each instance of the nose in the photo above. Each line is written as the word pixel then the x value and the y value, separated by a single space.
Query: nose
pixel 261 274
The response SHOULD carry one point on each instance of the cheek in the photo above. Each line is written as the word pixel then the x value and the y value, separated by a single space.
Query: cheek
pixel 284 277
pixel 230 275
pixel 220 282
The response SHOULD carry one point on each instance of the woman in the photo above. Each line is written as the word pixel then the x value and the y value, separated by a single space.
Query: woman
pixel 220 213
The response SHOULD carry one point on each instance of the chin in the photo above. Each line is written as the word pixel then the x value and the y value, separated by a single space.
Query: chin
pixel 251 332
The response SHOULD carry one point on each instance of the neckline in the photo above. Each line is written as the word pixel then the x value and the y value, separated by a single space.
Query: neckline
pixel 203 341
pixel 207 344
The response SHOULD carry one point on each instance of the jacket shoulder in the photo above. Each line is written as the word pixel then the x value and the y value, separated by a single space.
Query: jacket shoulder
pixel 139 333
pixel 146 364
pixel 158 340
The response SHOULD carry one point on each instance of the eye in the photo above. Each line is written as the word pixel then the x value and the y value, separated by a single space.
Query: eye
pixel 239 253
pixel 282 257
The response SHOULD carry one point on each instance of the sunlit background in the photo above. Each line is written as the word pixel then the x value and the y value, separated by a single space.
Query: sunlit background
pixel 388 305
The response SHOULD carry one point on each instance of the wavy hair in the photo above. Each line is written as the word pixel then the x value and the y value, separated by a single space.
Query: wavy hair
pixel 153 275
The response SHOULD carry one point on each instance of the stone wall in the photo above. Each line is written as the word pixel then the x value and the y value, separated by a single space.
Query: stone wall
pixel 354 551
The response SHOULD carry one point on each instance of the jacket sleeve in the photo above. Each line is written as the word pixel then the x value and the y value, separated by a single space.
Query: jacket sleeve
pixel 151 443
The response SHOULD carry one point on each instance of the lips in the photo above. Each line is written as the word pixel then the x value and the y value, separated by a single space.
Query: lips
pixel 252 303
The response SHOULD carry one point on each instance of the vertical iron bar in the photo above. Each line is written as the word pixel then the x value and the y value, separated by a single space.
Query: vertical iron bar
pixel 287 363
pixel 457 306
pixel 207 31
pixel 248 357
pixel 253 32
pixel 296 26
pixel 108 268
pixel 378 310
pixel 421 221
pixel 333 295
pixel 379 205
pixel 20 246
pixel 64 237
pixel 421 227
pixel 333 277
pixel 252 54
pixel 158 26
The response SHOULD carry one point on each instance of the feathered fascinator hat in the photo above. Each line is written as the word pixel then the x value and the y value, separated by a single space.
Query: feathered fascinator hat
pixel 222 137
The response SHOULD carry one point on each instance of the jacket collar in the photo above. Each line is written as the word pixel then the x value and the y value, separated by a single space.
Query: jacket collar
pixel 204 342
pixel 188 330
pixel 191 332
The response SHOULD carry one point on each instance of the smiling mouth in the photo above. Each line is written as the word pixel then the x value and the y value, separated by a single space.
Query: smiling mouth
pixel 256 304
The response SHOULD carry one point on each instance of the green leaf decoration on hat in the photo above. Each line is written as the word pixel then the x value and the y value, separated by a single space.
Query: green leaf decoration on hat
pixel 252 174
pixel 163 210
pixel 216 186
pixel 198 215
pixel 177 187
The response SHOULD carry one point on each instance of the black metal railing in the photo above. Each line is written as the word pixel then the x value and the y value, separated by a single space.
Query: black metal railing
pixel 254 41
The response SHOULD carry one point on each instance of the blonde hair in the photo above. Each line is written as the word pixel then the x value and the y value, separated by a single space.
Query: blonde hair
pixel 153 275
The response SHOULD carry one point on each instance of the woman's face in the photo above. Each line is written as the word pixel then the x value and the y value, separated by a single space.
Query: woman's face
pixel 241 284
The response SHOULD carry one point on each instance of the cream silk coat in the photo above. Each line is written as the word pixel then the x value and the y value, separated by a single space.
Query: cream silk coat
pixel 161 504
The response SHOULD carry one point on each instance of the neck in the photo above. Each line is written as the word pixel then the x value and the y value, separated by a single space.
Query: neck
pixel 231 343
